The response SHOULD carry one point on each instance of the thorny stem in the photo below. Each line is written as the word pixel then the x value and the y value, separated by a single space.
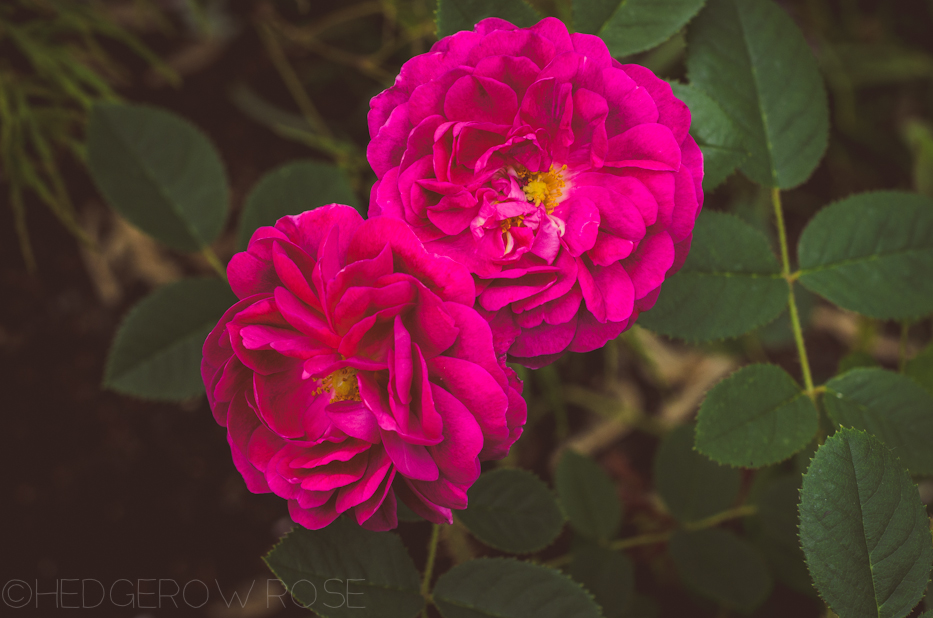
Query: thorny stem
pixel 429 565
pixel 215 262
pixel 660 537
pixel 791 302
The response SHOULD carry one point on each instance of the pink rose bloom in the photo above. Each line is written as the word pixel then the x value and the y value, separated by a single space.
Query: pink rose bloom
pixel 565 181
pixel 354 371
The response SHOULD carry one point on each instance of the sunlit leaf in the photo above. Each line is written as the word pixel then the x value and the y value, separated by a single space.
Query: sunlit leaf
pixel 872 253
pixel 751 57
pixel 891 407
pixel 630 26
pixel 512 510
pixel 863 529
pixel 290 190
pixel 160 172
pixel 456 15
pixel 730 284
pixel 501 588
pixel 718 137
pixel 756 417
pixel 156 353
pixel 373 566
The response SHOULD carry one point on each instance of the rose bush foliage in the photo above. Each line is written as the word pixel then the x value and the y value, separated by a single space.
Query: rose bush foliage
pixel 565 181
pixel 354 372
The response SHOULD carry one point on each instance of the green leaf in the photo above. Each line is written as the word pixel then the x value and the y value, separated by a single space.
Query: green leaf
pixel 756 417
pixel 718 137
pixel 774 532
pixel 863 529
pixel 722 567
pixel 608 574
pixel 290 190
pixel 160 172
pixel 503 588
pixel 872 253
pixel 631 26
pixel 156 353
pixel 920 368
pixel 588 495
pixel 512 510
pixel 456 15
pixel 854 360
pixel 731 282
pixel 691 485
pixel 780 333
pixel 383 573
pixel 750 57
pixel 891 407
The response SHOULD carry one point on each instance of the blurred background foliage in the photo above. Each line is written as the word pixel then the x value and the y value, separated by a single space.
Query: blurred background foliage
pixel 279 80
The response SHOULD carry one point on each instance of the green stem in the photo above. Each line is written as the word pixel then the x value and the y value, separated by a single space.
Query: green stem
pixel 215 262
pixel 651 538
pixel 714 520
pixel 791 302
pixel 429 565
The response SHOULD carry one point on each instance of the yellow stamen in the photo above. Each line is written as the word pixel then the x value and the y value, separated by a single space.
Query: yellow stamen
pixel 342 385
pixel 543 187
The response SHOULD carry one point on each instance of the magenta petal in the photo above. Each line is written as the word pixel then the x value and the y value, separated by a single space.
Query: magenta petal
pixel 581 227
pixel 282 400
pixel 650 263
pixel 412 460
pixel 354 419
pixel 442 492
pixel 501 292
pixel 617 290
pixel 686 205
pixel 293 267
pixel 514 71
pixel 618 215
pixel 248 275
pixel 255 480
pixel 451 281
pixel 648 146
pixel 383 518
pixel 313 499
pixel 457 454
pixel 386 148
pixel 475 343
pixel 378 467
pixel 368 508
pixel 480 99
pixel 672 112
pixel 609 249
pixel 476 389
pixel 314 518
pixel 301 317
pixel 544 339
pixel 401 369
pixel 310 229
pixel 592 335
pixel 419 504
pixel 431 325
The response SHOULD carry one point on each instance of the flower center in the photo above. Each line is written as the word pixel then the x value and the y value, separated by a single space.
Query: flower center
pixel 543 187
pixel 342 385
